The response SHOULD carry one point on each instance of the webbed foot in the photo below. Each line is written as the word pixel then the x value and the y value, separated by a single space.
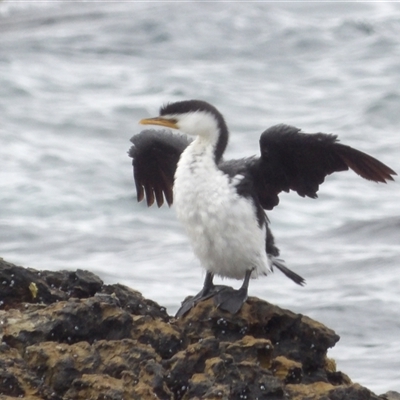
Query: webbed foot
pixel 225 297
pixel 230 299
pixel 190 302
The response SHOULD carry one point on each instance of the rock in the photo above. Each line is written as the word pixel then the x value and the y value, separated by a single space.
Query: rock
pixel 66 335
pixel 390 395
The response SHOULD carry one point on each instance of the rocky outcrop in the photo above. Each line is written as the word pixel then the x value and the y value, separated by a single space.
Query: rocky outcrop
pixel 66 335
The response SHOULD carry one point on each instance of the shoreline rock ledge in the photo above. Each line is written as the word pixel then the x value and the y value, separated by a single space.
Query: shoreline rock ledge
pixel 66 335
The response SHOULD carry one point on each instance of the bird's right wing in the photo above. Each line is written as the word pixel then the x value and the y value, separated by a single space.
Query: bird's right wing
pixel 155 155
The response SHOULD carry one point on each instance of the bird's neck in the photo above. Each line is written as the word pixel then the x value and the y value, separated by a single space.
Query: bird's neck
pixel 205 144
pixel 195 178
pixel 211 145
pixel 202 149
pixel 198 159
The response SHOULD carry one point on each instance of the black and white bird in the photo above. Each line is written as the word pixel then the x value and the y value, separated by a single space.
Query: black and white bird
pixel 221 203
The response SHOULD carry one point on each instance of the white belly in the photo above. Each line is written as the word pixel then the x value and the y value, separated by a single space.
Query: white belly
pixel 221 225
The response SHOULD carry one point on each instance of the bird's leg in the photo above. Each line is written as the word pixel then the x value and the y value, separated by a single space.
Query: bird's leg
pixel 208 284
pixel 231 300
pixel 209 290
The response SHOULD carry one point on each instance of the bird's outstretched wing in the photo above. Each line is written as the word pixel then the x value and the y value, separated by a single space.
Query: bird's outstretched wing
pixel 155 156
pixel 292 160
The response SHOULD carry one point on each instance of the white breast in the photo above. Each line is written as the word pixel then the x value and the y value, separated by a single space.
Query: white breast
pixel 222 226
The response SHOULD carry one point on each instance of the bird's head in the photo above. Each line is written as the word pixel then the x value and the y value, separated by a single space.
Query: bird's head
pixel 196 118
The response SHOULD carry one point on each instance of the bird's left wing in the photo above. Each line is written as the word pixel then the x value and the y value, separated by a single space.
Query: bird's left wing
pixel 292 160
pixel 155 155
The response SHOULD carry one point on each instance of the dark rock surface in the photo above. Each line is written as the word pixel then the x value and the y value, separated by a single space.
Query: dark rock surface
pixel 66 335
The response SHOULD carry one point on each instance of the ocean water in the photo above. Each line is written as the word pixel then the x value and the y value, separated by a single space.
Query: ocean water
pixel 75 78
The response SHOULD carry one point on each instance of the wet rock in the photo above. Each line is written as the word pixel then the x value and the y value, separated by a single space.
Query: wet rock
pixel 133 301
pixel 294 336
pixel 66 335
pixel 66 322
pixel 18 380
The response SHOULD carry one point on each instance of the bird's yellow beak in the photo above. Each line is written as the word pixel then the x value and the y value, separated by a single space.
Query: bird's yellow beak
pixel 169 123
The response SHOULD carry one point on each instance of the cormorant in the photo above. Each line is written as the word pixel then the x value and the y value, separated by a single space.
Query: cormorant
pixel 221 203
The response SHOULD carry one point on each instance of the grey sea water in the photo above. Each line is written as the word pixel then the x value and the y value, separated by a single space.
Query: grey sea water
pixel 75 77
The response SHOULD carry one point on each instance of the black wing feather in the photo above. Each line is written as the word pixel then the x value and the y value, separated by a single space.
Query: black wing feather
pixel 155 156
pixel 292 160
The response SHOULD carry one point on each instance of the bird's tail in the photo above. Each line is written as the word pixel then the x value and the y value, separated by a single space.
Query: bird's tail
pixel 280 264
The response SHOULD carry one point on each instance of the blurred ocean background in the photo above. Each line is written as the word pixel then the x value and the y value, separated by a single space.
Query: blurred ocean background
pixel 75 78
